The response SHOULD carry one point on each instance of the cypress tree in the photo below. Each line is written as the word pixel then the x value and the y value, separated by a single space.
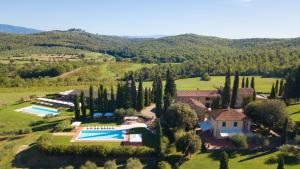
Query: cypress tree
pixel 112 99
pixel 243 82
pixel 158 96
pixel 297 83
pixel 285 131
pixel 140 96
pixel 167 102
pixel 146 98
pixel 273 93
pixel 127 96
pixel 235 90
pixel 154 89
pixel 83 104
pixel 252 85
pixel 100 100
pixel 133 93
pixel 76 107
pixel 119 96
pixel 170 87
pixel 254 95
pixel 105 101
pixel 280 163
pixel 247 82
pixel 91 101
pixel 159 139
pixel 226 91
pixel 224 160
pixel 276 87
pixel 281 88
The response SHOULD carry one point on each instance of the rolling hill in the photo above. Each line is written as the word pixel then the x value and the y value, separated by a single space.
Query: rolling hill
pixel 17 29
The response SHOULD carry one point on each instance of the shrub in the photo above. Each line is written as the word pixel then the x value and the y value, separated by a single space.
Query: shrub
pixel 111 164
pixel 297 139
pixel 205 77
pixel 163 165
pixel 290 150
pixel 24 131
pixel 239 141
pixel 89 165
pixel 203 148
pixel 120 113
pixel 63 126
pixel 261 140
pixel 188 144
pixel 133 163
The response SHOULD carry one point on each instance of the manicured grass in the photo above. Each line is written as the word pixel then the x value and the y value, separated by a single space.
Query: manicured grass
pixel 245 161
pixel 65 140
pixel 294 112
pixel 261 84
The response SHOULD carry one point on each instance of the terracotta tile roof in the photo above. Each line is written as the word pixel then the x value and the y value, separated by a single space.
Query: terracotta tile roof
pixel 227 114
pixel 197 93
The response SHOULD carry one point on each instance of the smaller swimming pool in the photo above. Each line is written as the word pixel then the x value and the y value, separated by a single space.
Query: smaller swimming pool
pixel 38 110
pixel 99 135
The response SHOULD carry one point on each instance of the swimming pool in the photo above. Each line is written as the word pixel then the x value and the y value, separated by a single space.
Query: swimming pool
pixel 98 135
pixel 38 110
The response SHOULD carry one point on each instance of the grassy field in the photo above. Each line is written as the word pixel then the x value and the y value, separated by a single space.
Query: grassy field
pixel 294 112
pixel 246 161
pixel 261 84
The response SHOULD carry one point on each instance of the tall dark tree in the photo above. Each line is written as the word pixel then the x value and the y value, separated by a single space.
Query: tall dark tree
pixel 224 160
pixel 119 97
pixel 154 89
pixel 158 96
pixel 273 92
pixel 100 99
pixel 76 107
pixel 247 83
pixel 291 87
pixel 235 90
pixel 226 91
pixel 280 164
pixel 112 99
pixel 167 102
pixel 146 97
pixel 277 87
pixel 105 101
pixel 252 85
pixel 297 82
pixel 127 95
pixel 170 87
pixel 133 92
pixel 285 131
pixel 91 101
pixel 243 82
pixel 140 96
pixel 281 88
pixel 83 104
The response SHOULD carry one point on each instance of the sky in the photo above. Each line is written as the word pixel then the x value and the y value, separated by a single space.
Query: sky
pixel 223 18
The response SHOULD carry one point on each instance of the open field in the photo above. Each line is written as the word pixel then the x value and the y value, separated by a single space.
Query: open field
pixel 261 84
pixel 245 161
pixel 294 112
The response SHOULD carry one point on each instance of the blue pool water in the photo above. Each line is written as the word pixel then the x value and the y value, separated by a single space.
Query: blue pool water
pixel 39 110
pixel 101 135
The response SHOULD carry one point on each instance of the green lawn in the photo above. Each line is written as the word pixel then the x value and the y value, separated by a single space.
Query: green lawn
pixel 247 161
pixel 261 84
pixel 294 112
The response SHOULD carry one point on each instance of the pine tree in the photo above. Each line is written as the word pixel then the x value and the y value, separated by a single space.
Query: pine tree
pixel 159 139
pixel 252 85
pixel 140 96
pixel 226 91
pixel 281 88
pixel 235 90
pixel 243 82
pixel 76 107
pixel 285 131
pixel 167 102
pixel 119 100
pixel 158 96
pixel 133 92
pixel 112 99
pixel 170 87
pixel 91 101
pixel 224 160
pixel 280 163
pixel 83 104
pixel 273 93
pixel 247 82
pixel 276 87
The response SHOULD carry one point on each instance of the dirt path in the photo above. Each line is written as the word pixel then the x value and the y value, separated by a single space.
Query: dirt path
pixel 148 111
pixel 67 74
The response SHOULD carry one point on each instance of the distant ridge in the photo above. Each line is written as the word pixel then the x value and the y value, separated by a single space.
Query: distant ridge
pixel 17 29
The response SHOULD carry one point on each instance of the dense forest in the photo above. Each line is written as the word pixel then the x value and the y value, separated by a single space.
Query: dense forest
pixel 189 54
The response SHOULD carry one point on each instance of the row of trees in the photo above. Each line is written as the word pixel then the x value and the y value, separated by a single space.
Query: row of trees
pixel 292 85
pixel 277 89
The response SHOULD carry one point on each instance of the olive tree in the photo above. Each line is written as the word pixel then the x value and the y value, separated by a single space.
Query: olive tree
pixel 188 144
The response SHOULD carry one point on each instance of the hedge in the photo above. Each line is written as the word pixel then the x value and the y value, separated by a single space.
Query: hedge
pixel 45 144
